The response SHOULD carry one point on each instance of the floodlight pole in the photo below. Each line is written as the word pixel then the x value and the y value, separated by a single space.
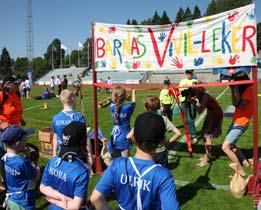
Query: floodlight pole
pixel 97 158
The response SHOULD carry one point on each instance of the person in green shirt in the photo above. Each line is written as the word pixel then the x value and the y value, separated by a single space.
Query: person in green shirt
pixel 166 101
pixel 186 106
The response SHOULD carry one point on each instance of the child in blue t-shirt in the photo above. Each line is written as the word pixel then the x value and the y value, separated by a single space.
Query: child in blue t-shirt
pixel 139 183
pixel 65 117
pixel 65 178
pixel 121 113
pixel 19 172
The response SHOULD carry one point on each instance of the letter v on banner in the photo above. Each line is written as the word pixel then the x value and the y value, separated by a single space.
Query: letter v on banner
pixel 155 45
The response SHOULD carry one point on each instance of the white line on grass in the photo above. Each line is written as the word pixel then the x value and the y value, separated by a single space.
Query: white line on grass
pixel 202 185
pixel 32 107
pixel 198 121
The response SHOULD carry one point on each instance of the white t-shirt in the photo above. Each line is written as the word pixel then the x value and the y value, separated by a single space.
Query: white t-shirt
pixel 58 81
pixel 27 83
pixel 52 83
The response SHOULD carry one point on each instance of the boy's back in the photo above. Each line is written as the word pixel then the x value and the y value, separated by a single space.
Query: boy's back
pixel 19 180
pixel 157 185
pixel 64 118
pixel 69 178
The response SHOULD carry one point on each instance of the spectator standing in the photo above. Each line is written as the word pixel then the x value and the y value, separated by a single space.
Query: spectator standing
pixel 64 82
pixel 186 107
pixel 59 84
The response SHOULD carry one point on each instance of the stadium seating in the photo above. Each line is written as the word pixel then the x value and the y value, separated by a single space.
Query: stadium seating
pixel 204 76
pixel 71 73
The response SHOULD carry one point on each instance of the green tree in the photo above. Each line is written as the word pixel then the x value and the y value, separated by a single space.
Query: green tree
pixel 156 18
pixel 147 22
pixel 196 13
pixel 211 9
pixel 187 15
pixel 128 22
pixel 74 58
pixel 21 66
pixel 217 6
pixel 54 53
pixel 5 63
pixel 87 48
pixel 40 67
pixel 165 19
pixel 180 16
pixel 134 22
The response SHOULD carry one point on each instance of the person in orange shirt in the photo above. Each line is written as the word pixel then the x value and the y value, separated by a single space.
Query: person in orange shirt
pixel 242 100
pixel 11 108
pixel 10 112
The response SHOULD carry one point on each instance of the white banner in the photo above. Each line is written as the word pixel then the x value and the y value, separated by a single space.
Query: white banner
pixel 224 40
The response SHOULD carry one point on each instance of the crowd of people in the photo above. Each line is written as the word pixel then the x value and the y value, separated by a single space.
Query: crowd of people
pixel 139 182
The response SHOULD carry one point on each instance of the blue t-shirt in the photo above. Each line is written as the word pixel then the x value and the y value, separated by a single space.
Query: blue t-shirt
pixel 122 128
pixel 69 178
pixel 20 175
pixel 64 118
pixel 157 186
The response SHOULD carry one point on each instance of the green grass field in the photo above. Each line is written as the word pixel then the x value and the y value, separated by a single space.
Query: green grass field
pixel 197 188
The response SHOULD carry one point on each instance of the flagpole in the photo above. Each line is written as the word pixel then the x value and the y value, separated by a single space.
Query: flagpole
pixel 79 57
pixel 88 54
pixel 61 63
pixel 69 56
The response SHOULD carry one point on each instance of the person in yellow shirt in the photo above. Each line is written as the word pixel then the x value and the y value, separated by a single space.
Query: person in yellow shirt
pixel 186 107
pixel 166 101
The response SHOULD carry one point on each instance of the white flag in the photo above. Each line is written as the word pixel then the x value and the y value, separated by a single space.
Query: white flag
pixel 80 45
pixel 63 47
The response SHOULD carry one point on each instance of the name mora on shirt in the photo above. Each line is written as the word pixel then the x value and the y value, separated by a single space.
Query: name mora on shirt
pixel 58 174
pixel 133 181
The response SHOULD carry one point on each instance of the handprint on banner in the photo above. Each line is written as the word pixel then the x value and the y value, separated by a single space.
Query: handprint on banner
pixel 199 61
pixel 254 60
pixel 162 36
pixel 138 29
pixel 190 24
pixel 102 30
pixel 177 63
pixel 251 15
pixel 232 17
pixel 233 59
pixel 112 30
pixel 103 63
pixel 217 60
pixel 97 64
pixel 207 19
pixel 127 65
pixel 136 65
pixel 147 64
pixel 113 63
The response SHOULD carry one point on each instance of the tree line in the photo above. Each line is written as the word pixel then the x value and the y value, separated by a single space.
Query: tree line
pixel 42 65
pixel 51 58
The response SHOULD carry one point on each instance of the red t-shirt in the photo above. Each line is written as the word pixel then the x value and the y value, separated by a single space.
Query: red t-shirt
pixel 11 108
pixel 243 115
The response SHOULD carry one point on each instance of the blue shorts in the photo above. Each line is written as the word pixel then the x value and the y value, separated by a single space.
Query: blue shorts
pixel 234 133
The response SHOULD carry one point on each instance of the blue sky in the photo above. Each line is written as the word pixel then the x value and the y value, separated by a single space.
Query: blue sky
pixel 70 20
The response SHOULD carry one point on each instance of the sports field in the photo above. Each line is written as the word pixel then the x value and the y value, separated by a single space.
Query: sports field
pixel 197 188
